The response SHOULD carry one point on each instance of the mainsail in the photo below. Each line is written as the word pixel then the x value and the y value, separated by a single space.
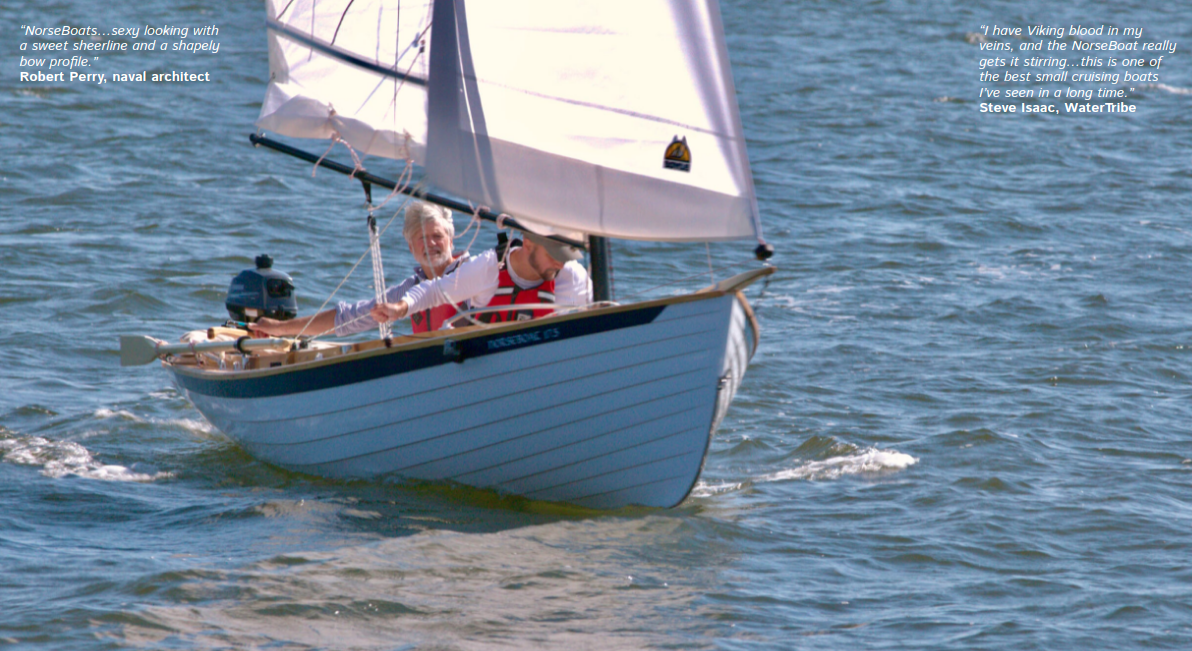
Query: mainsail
pixel 353 69
pixel 615 118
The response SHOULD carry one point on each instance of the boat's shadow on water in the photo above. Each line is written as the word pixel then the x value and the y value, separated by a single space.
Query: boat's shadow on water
pixel 390 506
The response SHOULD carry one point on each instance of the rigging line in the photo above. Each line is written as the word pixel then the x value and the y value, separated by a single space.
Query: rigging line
pixel 335 138
pixel 338 53
pixel 406 76
pixel 417 41
pixel 374 247
pixel 408 196
pixel 310 53
pixel 381 232
pixel 283 11
pixel 345 279
pixel 342 16
pixel 406 143
pixel 332 295
pixel 474 220
pixel 396 47
pixel 403 179
pixel 408 172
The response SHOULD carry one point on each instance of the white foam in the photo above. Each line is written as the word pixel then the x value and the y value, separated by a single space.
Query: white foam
pixel 830 289
pixel 197 426
pixel 707 490
pixel 865 462
pixel 62 458
pixel 191 425
pixel 120 413
pixel 1171 89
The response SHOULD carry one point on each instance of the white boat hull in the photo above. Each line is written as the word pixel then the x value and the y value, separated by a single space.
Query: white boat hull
pixel 604 409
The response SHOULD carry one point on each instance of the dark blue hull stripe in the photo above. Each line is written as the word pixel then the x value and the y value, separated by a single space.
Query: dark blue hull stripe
pixel 333 373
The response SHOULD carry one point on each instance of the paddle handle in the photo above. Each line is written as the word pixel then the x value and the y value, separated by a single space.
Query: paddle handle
pixel 136 350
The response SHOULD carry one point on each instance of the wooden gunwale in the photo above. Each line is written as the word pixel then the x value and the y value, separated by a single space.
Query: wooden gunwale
pixel 287 362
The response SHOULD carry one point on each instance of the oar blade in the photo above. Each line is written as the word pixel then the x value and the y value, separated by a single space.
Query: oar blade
pixel 137 350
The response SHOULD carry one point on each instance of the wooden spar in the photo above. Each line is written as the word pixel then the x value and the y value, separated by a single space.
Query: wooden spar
pixel 136 350
pixel 368 177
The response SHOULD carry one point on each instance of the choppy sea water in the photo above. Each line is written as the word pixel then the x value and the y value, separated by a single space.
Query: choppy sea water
pixel 967 424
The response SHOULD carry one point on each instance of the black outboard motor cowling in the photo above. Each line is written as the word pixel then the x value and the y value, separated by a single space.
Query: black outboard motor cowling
pixel 263 291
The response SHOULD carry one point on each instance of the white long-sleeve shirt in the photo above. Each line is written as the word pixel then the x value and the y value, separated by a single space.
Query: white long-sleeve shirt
pixel 476 280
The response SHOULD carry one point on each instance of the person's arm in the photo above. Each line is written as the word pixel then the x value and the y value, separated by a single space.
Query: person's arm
pixel 314 325
pixel 351 318
pixel 475 278
pixel 572 286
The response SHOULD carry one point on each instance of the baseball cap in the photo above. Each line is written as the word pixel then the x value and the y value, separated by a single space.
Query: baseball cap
pixel 557 250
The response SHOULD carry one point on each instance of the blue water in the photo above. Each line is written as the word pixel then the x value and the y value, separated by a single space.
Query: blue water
pixel 967 424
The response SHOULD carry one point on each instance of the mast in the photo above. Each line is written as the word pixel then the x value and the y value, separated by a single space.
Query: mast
pixel 598 254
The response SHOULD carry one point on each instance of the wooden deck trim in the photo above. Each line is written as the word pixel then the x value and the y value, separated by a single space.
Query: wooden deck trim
pixel 265 365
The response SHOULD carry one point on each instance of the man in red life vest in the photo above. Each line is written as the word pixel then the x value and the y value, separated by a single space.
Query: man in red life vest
pixel 539 271
pixel 429 232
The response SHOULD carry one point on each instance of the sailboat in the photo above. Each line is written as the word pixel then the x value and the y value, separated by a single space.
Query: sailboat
pixel 580 121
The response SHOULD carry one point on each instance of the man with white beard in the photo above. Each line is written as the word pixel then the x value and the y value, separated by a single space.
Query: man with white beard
pixel 430 234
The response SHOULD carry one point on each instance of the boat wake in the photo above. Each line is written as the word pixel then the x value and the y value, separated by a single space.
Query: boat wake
pixel 190 424
pixel 64 458
pixel 869 462
pixel 864 462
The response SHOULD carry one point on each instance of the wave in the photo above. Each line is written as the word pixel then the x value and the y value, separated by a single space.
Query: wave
pixel 1171 89
pixel 190 424
pixel 865 462
pixel 64 458
pixel 868 462
pixel 118 413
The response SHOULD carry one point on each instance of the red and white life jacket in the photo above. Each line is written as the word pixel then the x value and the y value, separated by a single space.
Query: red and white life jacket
pixel 508 293
pixel 434 318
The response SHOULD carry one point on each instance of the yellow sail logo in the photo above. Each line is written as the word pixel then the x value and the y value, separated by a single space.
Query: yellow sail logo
pixel 678 156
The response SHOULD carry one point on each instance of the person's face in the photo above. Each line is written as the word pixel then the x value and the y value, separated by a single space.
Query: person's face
pixel 431 246
pixel 540 260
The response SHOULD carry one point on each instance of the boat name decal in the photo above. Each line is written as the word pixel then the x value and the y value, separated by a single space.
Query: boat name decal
pixel 678 155
pixel 521 339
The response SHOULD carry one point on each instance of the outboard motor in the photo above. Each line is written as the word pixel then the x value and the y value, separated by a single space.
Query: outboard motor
pixel 263 291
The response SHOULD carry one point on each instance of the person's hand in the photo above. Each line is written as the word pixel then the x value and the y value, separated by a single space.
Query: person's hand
pixel 386 312
pixel 266 327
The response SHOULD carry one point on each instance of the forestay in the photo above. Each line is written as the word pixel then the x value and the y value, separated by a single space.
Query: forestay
pixel 356 69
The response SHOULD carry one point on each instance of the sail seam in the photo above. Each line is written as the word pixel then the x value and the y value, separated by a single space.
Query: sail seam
pixel 601 107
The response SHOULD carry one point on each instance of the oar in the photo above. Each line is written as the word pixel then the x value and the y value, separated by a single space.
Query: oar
pixel 136 350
